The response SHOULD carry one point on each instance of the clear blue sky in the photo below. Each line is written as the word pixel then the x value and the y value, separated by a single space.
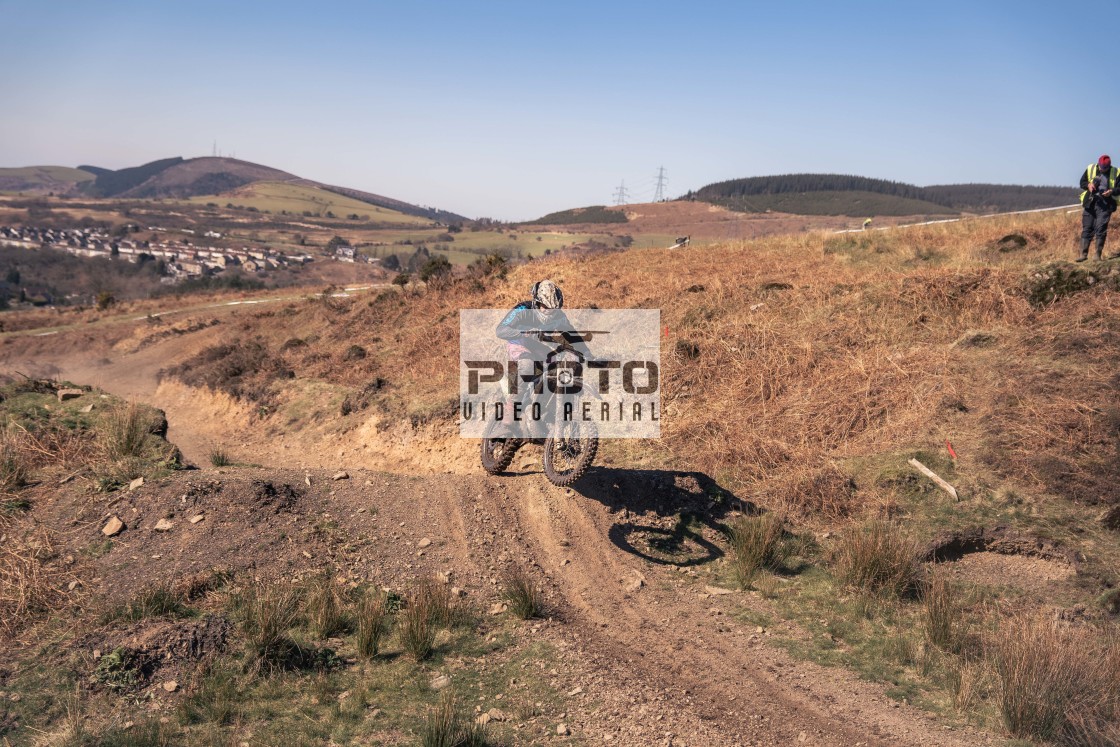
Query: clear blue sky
pixel 512 109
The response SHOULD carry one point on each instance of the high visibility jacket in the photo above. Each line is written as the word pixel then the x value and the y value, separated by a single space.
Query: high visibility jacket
pixel 1091 174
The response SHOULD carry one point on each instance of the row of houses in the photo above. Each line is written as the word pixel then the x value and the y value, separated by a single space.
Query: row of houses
pixel 182 258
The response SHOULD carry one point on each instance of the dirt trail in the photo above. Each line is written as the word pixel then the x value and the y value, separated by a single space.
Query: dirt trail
pixel 664 647
pixel 659 661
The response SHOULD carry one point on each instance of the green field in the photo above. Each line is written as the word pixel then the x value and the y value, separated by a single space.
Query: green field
pixel 297 199
pixel 469 246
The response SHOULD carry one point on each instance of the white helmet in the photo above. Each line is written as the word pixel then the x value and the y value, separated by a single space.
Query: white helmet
pixel 547 295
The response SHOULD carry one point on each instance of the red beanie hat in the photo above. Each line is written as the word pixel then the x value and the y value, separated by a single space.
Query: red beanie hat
pixel 1104 162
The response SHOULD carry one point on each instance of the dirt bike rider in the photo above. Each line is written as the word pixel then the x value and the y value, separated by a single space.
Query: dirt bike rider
pixel 541 311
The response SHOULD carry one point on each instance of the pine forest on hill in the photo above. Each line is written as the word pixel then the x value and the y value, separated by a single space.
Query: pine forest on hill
pixel 837 194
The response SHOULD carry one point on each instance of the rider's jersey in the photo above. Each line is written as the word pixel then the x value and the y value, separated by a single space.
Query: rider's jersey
pixel 521 318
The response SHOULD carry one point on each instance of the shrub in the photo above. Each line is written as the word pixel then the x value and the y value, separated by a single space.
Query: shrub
pixel 1057 683
pixel 521 595
pixel 435 268
pixel 757 542
pixel 372 623
pixel 119 670
pixel 876 558
pixel 354 353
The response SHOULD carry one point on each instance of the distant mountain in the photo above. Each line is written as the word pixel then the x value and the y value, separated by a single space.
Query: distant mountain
pixel 837 194
pixel 178 178
pixel 116 183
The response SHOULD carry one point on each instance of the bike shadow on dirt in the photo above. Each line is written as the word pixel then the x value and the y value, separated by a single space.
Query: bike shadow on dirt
pixel 667 517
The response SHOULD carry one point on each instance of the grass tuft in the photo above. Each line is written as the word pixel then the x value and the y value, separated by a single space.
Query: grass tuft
pixel 267 614
pixel 124 432
pixel 156 600
pixel 941 611
pixel 446 726
pixel 372 623
pixel 220 458
pixel 418 627
pixel 521 595
pixel 875 557
pixel 1057 682
pixel 324 608
pixel 757 542
pixel 212 698
pixel 436 597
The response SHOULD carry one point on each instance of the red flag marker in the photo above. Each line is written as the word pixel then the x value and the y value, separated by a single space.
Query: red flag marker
pixel 952 453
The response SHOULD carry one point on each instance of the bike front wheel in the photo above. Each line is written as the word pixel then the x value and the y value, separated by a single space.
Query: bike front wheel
pixel 569 453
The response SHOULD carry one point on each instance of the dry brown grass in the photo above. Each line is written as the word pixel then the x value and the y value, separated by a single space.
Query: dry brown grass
pixel 31 583
pixel 22 451
pixel 855 358
pixel 825 492
pixel 1057 682
pixel 15 467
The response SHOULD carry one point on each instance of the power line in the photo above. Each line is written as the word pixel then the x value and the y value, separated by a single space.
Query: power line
pixel 659 193
pixel 621 195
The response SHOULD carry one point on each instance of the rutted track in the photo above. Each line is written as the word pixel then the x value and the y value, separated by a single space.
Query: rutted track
pixel 663 647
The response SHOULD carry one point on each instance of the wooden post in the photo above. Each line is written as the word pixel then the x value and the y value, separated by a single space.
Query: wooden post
pixel 933 476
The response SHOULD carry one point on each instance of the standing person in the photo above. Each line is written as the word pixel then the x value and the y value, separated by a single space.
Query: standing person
pixel 1098 202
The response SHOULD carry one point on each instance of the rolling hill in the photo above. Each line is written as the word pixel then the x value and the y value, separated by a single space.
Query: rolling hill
pixel 43 179
pixel 303 197
pixel 836 194
pixel 196 176
pixel 179 178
